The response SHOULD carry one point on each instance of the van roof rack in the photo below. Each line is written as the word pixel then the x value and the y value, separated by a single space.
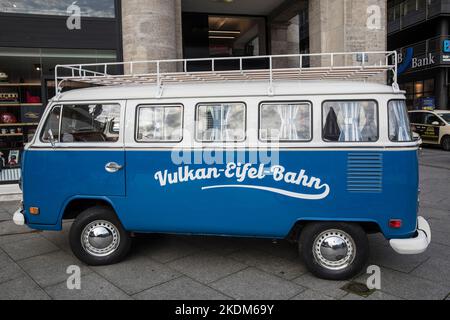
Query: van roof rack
pixel 317 66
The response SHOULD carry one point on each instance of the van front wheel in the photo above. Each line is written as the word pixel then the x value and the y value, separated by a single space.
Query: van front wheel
pixel 98 238
pixel 334 251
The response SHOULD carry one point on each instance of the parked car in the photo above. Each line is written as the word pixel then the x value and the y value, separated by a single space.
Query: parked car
pixel 432 126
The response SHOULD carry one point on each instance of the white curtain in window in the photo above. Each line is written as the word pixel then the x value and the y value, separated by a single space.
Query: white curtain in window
pixel 220 127
pixel 350 130
pixel 398 121
pixel 159 120
pixel 288 129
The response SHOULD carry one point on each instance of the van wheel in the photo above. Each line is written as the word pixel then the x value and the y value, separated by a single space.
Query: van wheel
pixel 334 251
pixel 446 143
pixel 98 238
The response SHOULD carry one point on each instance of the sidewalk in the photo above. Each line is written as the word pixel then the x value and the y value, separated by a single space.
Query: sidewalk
pixel 10 192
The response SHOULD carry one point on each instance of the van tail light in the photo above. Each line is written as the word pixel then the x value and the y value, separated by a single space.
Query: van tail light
pixel 395 223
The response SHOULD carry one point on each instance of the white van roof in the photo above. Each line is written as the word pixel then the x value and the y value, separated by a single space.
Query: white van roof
pixel 226 89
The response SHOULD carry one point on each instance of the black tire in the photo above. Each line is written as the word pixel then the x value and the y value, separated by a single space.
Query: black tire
pixel 358 239
pixel 92 215
pixel 446 143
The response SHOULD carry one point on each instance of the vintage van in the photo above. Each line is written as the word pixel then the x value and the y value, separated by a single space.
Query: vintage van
pixel 322 162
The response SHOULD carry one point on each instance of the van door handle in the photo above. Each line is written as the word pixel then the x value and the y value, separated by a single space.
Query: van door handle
pixel 112 167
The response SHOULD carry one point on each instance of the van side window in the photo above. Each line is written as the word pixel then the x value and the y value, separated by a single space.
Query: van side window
pixel 399 126
pixel 285 121
pixel 220 122
pixel 51 127
pixel 160 123
pixel 350 121
pixel 90 123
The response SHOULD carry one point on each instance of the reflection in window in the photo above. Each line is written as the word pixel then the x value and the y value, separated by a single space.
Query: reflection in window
pixel 160 123
pixel 221 122
pixel 89 8
pixel 399 127
pixel 285 122
pixel 350 121
pixel 90 123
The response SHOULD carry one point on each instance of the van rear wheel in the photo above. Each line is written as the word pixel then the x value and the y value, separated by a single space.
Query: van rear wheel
pixel 98 238
pixel 334 251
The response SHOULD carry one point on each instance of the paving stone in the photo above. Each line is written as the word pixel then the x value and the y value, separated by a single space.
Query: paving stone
pixel 50 269
pixel 329 288
pixel 59 238
pixel 385 256
pixel 377 295
pixel 8 228
pixel 28 248
pixel 165 249
pixel 137 274
pixel 5 216
pixel 181 289
pixel 440 237
pixel 22 288
pixel 312 295
pixel 409 287
pixel 254 284
pixel 284 268
pixel 18 237
pixel 219 245
pixel 206 266
pixel 9 270
pixel 10 206
pixel 93 287
pixel 435 269
pixel 282 249
pixel 440 225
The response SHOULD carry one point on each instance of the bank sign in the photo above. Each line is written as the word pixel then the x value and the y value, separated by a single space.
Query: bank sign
pixel 409 61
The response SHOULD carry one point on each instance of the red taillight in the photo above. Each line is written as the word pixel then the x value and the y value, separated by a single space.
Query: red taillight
pixel 395 223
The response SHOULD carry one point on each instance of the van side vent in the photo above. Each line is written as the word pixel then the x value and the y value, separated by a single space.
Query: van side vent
pixel 365 172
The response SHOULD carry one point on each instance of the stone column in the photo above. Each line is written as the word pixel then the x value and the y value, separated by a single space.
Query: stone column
pixel 151 30
pixel 285 39
pixel 344 26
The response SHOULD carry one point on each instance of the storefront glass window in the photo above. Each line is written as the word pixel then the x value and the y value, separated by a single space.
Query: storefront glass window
pixel 97 8
pixel 26 82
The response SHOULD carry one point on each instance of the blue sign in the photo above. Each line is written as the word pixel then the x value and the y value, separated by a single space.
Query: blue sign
pixel 446 46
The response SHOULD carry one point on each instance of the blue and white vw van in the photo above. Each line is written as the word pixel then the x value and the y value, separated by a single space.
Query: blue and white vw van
pixel 323 163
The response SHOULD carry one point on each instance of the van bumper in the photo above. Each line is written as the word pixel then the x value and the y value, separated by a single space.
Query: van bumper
pixel 19 218
pixel 414 245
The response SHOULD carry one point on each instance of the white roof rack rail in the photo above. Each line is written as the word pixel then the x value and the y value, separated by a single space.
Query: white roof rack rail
pixel 320 66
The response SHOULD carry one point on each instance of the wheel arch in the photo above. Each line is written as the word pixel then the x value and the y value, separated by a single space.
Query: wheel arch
pixel 368 226
pixel 75 205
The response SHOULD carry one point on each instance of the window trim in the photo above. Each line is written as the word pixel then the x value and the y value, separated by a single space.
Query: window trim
pixel 154 105
pixel 79 144
pixel 377 105
pixel 215 103
pixel 311 111
pixel 41 134
pixel 388 119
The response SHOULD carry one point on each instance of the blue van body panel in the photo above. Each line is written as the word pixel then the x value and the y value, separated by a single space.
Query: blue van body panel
pixel 52 178
pixel 352 186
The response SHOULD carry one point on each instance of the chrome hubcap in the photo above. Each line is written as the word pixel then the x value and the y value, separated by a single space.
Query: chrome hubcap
pixel 334 249
pixel 100 238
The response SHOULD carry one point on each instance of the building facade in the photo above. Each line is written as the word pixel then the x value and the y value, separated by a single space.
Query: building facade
pixel 419 31
pixel 37 35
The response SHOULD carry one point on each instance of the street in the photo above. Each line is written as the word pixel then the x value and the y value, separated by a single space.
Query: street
pixel 33 264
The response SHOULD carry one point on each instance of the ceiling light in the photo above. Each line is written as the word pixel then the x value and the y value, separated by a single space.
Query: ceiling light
pixel 225 31
pixel 37 67
pixel 222 37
